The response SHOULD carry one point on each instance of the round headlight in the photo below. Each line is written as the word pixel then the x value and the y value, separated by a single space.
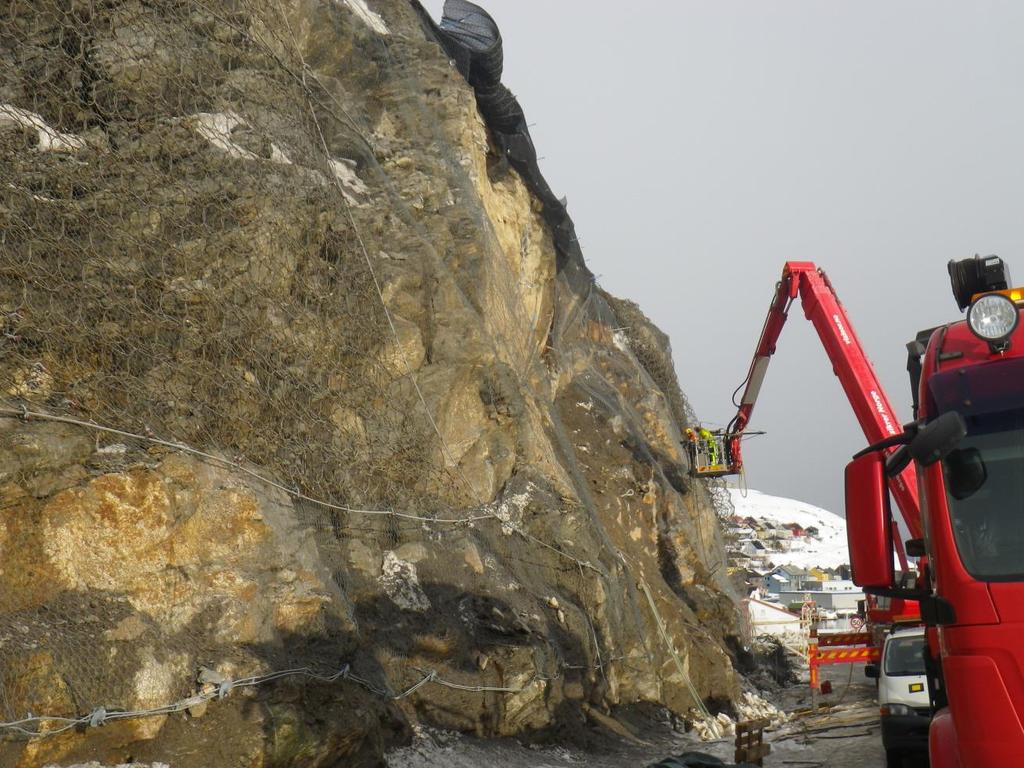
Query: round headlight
pixel 993 317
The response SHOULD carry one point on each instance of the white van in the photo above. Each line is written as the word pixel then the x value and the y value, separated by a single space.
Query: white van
pixel 903 695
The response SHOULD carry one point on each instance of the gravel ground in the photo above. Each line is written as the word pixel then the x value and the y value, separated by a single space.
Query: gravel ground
pixel 843 733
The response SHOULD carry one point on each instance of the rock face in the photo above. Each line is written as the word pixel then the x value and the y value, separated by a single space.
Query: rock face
pixel 290 383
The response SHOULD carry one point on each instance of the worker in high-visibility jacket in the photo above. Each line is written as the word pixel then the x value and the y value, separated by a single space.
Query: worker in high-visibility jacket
pixel 710 445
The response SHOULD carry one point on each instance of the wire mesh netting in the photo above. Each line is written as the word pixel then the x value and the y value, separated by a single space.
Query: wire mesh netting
pixel 155 284
pixel 221 414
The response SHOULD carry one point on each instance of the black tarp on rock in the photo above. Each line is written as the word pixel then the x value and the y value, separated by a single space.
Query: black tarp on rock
pixel 472 40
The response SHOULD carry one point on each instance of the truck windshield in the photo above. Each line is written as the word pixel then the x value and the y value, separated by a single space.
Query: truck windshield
pixel 904 656
pixel 984 476
pixel 985 489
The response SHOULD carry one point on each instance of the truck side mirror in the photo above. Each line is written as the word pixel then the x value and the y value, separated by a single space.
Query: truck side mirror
pixel 915 548
pixel 871 670
pixel 869 522
pixel 936 439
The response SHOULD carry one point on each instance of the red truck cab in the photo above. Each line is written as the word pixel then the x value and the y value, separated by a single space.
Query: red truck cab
pixel 968 441
pixel 973 509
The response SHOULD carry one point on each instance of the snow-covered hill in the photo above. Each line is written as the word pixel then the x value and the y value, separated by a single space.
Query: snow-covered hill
pixel 828 552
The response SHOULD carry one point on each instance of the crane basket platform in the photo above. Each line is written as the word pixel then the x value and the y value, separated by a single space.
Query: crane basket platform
pixel 709 453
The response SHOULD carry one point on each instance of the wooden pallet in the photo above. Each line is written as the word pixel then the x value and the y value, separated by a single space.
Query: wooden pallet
pixel 750 746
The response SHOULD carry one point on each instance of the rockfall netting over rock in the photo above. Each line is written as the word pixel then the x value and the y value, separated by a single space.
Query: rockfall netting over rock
pixel 293 396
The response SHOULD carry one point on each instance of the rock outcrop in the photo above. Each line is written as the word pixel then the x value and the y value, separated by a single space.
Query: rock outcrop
pixel 304 436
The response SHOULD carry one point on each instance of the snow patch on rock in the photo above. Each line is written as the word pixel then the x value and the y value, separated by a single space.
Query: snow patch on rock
pixel 714 728
pixel 372 19
pixel 510 510
pixel 752 707
pixel 400 582
pixel 278 156
pixel 345 172
pixel 749 707
pixel 113 448
pixel 218 127
pixel 50 139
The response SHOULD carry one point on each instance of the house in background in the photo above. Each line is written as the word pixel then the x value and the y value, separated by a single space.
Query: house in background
pixel 830 595
pixel 755 545
pixel 771 619
pixel 787 578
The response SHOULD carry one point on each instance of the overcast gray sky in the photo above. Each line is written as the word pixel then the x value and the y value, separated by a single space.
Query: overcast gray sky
pixel 703 144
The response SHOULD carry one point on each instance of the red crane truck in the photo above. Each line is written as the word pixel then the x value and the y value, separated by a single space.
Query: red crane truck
pixel 964 456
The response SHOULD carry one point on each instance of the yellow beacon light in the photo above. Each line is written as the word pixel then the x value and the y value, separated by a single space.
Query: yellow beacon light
pixel 1016 295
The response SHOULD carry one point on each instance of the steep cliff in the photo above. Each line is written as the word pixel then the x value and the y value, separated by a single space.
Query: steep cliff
pixel 306 434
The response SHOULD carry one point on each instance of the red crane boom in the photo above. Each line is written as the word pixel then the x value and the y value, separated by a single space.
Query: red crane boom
pixel 870 404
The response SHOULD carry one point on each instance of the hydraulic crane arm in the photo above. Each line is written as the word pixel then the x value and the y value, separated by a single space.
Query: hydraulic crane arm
pixel 851 366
